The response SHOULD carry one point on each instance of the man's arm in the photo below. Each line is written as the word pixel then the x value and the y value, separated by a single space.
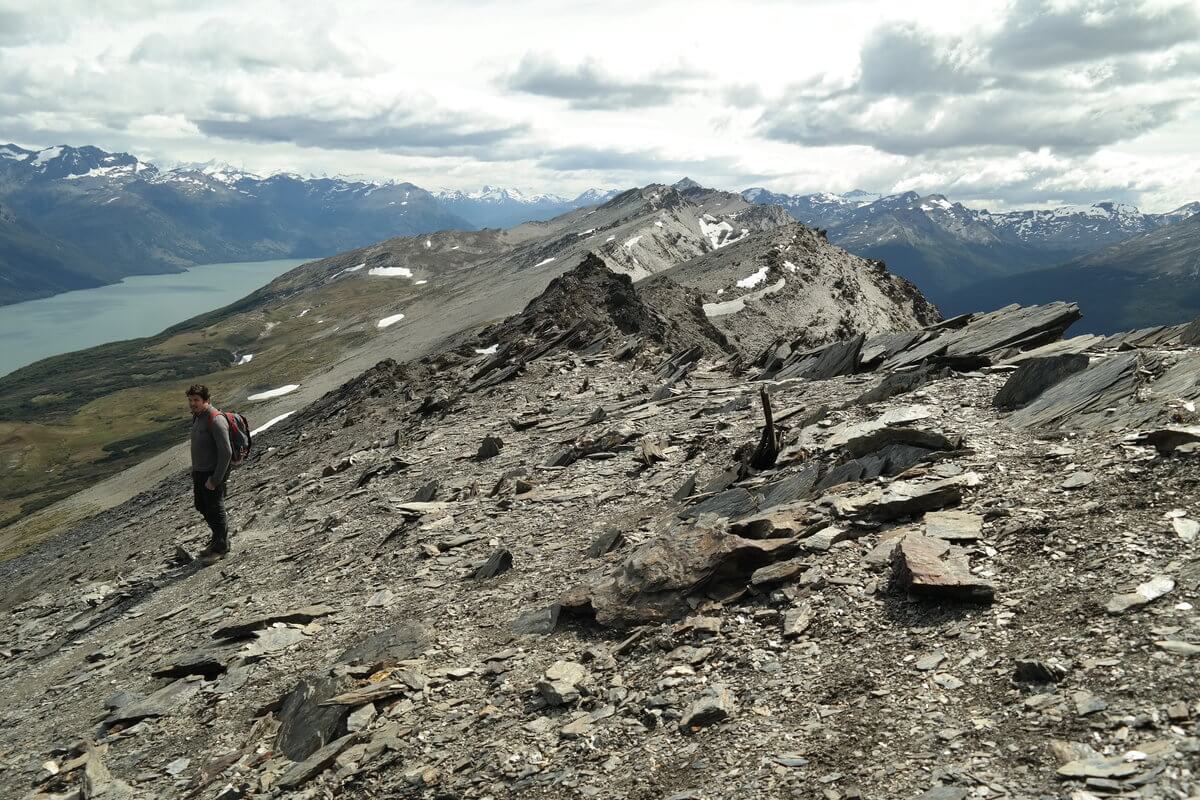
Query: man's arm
pixel 220 432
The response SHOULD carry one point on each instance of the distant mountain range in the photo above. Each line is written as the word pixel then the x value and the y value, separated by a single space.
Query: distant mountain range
pixel 1145 281
pixel 496 207
pixel 74 217
pixel 78 217
pixel 943 246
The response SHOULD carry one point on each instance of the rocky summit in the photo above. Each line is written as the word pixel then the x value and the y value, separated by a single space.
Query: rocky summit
pixel 619 545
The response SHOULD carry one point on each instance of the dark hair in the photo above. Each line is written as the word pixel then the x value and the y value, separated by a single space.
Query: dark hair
pixel 200 390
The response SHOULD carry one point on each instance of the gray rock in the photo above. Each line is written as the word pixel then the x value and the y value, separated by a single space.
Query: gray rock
pixel 1145 593
pixel 537 621
pixel 208 663
pixel 707 710
pixel 778 572
pixel 427 492
pixel 246 627
pixel 1077 480
pixel 310 767
pixel 906 498
pixel 385 648
pixel 161 703
pixel 944 793
pixel 932 567
pixel 605 542
pixel 1034 671
pixel 490 447
pixel 953 526
pixel 306 726
pixel 1082 398
pixel 561 682
pixel 498 562
pixel 1034 377
pixel 796 621
pixel 731 504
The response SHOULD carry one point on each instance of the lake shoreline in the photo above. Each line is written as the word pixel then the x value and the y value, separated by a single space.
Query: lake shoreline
pixel 135 307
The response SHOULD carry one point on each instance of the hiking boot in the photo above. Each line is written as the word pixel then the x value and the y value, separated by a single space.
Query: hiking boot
pixel 212 554
pixel 206 557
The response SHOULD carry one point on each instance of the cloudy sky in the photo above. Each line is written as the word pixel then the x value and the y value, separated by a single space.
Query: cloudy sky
pixel 998 104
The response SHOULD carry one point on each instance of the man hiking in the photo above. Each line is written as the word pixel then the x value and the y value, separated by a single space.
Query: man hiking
pixel 211 456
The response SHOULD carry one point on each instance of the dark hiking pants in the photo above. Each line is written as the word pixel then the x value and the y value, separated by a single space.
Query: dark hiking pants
pixel 211 504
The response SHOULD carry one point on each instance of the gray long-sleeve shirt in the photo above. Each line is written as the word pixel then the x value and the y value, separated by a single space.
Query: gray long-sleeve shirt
pixel 210 444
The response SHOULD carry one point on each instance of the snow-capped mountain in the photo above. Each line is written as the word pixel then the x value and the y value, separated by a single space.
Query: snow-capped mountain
pixel 943 245
pixel 499 207
pixel 134 218
pixel 69 163
pixel 1146 280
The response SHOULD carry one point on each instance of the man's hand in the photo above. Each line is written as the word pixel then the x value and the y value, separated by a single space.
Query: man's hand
pixel 208 484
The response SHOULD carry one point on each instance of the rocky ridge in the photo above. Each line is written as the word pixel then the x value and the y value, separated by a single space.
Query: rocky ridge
pixel 612 568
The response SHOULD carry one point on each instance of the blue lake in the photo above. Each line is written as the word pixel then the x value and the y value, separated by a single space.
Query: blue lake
pixel 138 306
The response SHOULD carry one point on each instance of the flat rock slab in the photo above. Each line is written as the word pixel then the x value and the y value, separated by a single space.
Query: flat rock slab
pixel 926 566
pixel 388 647
pixel 842 435
pixel 1145 593
pixel 537 621
pixel 161 703
pixel 1080 399
pixel 309 768
pixel 207 662
pixel 1098 768
pixel 792 488
pixel 1178 647
pixel 1036 375
pixel 1166 440
pixel 779 572
pixel 796 621
pixel 953 526
pixel 1078 480
pixel 871 441
pixel 731 504
pixel 826 538
pixel 299 616
pixel 907 498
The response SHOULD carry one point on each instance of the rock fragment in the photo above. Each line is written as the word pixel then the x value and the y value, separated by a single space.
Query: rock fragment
pixel 490 447
pixel 1077 480
pixel 561 682
pixel 499 561
pixel 1145 593
pixel 953 526
pixel 709 709
pixel 925 566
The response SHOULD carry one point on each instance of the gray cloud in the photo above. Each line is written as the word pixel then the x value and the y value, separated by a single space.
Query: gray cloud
pixel 994 119
pixel 223 44
pixel 15 28
pixel 396 131
pixel 917 92
pixel 588 86
pixel 1037 33
pixel 906 59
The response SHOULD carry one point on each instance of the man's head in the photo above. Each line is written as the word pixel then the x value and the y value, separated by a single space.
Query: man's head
pixel 197 395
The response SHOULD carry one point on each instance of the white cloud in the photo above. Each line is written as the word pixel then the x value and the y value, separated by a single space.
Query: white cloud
pixel 1000 100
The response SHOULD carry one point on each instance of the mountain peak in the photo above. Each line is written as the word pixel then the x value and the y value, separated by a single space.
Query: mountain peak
pixel 685 183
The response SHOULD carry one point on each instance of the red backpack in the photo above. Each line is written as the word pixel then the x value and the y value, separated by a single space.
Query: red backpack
pixel 240 440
